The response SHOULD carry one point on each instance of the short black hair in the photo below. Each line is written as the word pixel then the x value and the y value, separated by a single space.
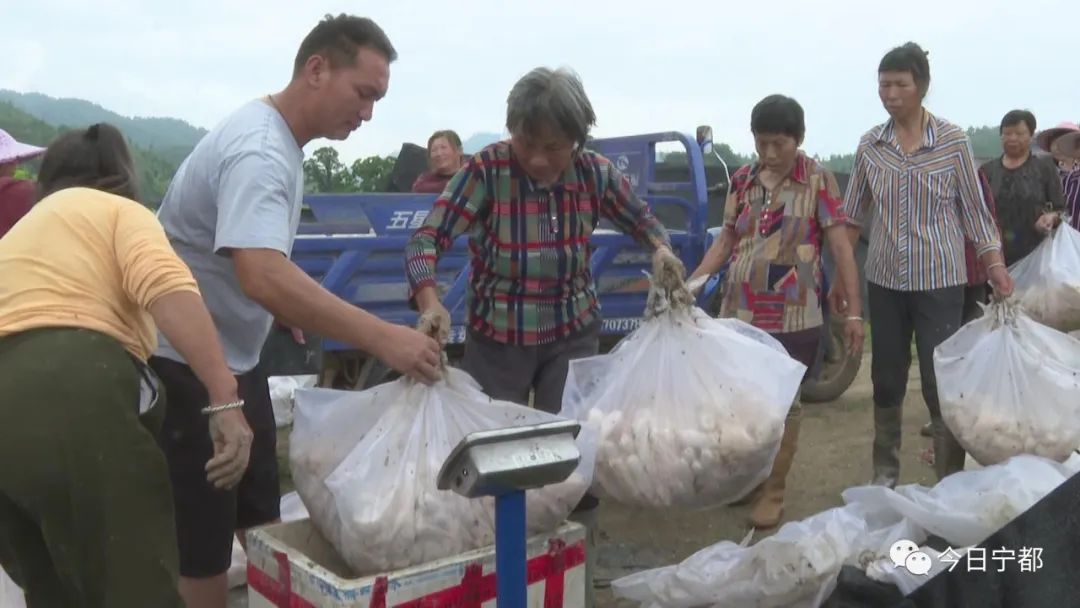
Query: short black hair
pixel 910 58
pixel 96 157
pixel 1015 117
pixel 778 114
pixel 339 38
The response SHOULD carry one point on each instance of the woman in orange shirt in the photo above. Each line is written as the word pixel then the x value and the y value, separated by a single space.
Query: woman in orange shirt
pixel 86 510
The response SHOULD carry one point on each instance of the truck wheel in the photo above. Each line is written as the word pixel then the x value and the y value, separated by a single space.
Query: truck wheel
pixel 838 370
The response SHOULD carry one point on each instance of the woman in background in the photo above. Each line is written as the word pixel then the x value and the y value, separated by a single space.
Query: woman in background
pixel 444 160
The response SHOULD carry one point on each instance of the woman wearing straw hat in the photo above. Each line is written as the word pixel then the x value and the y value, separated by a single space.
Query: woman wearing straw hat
pixel 1066 150
pixel 16 195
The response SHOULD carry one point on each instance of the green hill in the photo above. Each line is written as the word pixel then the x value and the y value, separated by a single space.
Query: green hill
pixel 170 138
pixel 154 170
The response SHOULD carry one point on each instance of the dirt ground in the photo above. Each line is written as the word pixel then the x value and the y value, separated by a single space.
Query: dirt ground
pixel 833 454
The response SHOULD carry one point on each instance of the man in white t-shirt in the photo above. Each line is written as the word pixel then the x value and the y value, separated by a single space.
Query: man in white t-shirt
pixel 231 212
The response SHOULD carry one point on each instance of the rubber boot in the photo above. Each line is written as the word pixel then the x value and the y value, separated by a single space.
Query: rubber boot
pixel 769 506
pixel 586 514
pixel 887 434
pixel 948 454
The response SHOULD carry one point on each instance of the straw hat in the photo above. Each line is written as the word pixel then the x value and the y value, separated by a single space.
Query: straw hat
pixel 1068 145
pixel 12 151
pixel 1046 138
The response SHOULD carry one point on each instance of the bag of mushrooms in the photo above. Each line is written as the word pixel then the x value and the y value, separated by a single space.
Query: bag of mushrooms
pixel 686 411
pixel 366 465
pixel 1009 385
pixel 1048 280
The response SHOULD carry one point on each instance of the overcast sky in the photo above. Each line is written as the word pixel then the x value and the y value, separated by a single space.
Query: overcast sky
pixel 647 66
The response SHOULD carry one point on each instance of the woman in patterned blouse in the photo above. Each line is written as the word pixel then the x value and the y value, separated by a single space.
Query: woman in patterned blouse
pixel 778 214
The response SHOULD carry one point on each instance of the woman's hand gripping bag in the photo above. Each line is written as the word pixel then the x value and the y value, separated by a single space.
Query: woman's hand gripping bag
pixel 1048 280
pixel 1009 385
pixel 366 465
pixel 686 411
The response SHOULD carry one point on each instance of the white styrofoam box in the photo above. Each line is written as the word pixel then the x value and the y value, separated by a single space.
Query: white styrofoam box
pixel 292 509
pixel 291 564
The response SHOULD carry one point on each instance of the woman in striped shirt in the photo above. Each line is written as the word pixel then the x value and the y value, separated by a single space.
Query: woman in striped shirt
pixel 917 172
pixel 1066 150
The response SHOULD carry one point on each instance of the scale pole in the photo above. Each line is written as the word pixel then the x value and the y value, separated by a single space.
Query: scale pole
pixel 510 554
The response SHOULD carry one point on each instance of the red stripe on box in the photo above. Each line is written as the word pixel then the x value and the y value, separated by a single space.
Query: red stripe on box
pixel 475 588
pixel 278 591
pixel 378 592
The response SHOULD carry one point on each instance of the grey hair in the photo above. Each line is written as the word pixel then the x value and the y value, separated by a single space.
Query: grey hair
pixel 552 98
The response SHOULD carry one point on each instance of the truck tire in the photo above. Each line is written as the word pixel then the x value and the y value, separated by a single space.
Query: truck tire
pixel 838 370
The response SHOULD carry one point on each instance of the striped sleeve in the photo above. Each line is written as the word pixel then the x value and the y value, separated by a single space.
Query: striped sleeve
pixel 976 220
pixel 858 196
pixel 454 214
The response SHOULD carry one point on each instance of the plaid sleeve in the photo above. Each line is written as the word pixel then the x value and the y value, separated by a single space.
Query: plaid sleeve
pixel 454 213
pixel 629 213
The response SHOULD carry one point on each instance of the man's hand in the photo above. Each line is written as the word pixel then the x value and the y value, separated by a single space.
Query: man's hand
pixel 1001 281
pixel 411 352
pixel 1046 222
pixel 435 322
pixel 854 335
pixel 232 438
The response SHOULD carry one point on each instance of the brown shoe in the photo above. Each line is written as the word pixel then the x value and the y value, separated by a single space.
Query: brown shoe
pixel 769 507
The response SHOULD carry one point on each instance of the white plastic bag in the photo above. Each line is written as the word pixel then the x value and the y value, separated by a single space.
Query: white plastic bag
pixel 687 410
pixel 11 595
pixel 366 463
pixel 885 570
pixel 796 567
pixel 967 507
pixel 1048 280
pixel 282 390
pixel 1009 386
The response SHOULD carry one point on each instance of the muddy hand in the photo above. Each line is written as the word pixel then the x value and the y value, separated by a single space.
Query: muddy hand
pixel 435 322
pixel 232 439
pixel 670 275
pixel 1002 282
pixel 854 336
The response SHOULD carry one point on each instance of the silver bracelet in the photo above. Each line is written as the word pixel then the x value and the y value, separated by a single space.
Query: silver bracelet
pixel 995 265
pixel 214 409
pixel 859 319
